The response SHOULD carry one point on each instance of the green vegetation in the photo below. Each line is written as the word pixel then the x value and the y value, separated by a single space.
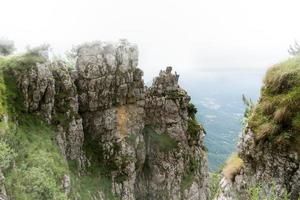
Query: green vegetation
pixel 7 155
pixel 38 165
pixel 7 47
pixel 86 186
pixel 256 192
pixel 175 94
pixel 276 116
pixel 162 140
pixel 190 173
pixel 214 185
pixel 194 127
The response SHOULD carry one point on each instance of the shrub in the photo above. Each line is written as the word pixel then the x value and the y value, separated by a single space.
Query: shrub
pixel 7 47
pixel 258 192
pixel 36 183
pixel 214 185
pixel 232 167
pixel 192 110
pixel 7 155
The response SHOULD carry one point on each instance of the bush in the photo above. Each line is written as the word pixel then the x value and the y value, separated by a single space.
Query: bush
pixel 36 183
pixel 7 47
pixel 258 192
pixel 214 185
pixel 7 155
pixel 192 110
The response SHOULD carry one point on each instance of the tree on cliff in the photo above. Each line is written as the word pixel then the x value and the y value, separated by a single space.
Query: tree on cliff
pixel 7 47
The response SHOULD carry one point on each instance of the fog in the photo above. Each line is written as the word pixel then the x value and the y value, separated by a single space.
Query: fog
pixel 191 35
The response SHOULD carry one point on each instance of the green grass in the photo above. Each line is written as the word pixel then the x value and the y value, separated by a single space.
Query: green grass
pixel 38 165
pixel 257 192
pixel 276 117
pixel 163 141
pixel 87 186
pixel 214 185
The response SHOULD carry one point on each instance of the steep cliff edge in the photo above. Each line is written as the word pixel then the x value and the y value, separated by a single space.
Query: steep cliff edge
pixel 267 165
pixel 95 131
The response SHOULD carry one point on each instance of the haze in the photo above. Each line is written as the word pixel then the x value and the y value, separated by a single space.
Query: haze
pixel 191 35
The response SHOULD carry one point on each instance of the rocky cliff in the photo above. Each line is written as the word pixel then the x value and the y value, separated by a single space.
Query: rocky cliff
pixel 144 142
pixel 267 165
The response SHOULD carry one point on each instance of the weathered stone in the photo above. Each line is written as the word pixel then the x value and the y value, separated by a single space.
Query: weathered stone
pixel 104 106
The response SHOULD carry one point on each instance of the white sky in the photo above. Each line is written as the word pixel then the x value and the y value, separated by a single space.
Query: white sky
pixel 190 35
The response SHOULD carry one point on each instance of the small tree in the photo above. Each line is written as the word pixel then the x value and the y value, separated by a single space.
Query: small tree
pixel 7 47
pixel 294 49
pixel 41 50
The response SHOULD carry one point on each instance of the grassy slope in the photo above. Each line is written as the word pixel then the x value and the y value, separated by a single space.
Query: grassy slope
pixel 276 118
pixel 38 167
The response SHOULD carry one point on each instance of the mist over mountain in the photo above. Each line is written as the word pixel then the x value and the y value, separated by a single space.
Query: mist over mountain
pixel 218 97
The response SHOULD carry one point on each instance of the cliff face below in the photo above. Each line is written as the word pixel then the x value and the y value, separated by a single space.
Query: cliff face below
pixel 267 165
pixel 144 142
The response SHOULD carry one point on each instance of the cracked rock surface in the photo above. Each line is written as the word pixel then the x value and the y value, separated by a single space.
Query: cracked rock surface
pixel 106 118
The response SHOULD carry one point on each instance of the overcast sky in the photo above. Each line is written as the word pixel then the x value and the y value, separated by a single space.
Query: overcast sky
pixel 191 35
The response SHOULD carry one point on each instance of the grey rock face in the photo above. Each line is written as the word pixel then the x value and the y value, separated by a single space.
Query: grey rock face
pixel 138 136
pixel 277 168
pixel 49 90
pixel 111 95
pixel 175 165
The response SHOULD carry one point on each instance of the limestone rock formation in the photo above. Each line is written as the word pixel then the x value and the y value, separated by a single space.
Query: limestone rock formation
pixel 145 140
pixel 48 89
pixel 112 97
pixel 175 165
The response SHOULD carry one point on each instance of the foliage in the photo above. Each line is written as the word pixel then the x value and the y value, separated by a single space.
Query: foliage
pixel 192 110
pixel 87 185
pixel 248 110
pixel 214 185
pixel 162 140
pixel 276 116
pixel 257 192
pixel 41 50
pixel 7 155
pixel 39 167
pixel 232 167
pixel 175 94
pixel 7 47
pixel 190 173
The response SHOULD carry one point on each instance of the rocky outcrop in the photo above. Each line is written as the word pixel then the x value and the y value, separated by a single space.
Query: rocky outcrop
pixel 268 170
pixel 145 140
pixel 175 165
pixel 48 89
pixel 112 96
pixel 269 144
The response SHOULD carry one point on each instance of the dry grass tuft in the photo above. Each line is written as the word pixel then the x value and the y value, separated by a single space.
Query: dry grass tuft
pixel 282 115
pixel 232 167
pixel 266 129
